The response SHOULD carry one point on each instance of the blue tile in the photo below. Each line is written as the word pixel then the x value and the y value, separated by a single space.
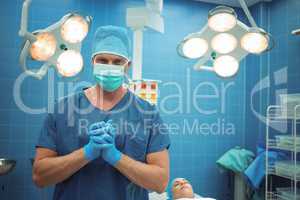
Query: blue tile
pixel 4 132
pixel 18 132
pixel 4 149
pixel 5 117
pixel 18 149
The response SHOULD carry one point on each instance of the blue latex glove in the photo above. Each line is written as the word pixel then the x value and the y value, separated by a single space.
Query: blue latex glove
pixel 103 134
pixel 96 144
pixel 110 153
pixel 92 150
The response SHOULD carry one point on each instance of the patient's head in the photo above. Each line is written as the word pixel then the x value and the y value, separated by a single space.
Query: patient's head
pixel 181 188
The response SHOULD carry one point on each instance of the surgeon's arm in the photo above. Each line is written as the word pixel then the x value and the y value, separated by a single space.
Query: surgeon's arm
pixel 49 169
pixel 153 175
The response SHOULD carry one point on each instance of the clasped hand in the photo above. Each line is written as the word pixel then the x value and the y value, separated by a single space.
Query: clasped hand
pixel 102 143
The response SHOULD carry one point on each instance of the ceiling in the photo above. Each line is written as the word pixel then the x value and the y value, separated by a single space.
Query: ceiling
pixel 232 2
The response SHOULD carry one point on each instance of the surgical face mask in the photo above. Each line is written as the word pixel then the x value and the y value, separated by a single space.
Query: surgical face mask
pixel 109 77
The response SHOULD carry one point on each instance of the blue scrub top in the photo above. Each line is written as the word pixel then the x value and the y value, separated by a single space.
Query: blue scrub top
pixel 140 131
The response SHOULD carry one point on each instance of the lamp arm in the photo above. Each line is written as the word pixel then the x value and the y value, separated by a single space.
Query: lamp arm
pixel 247 12
pixel 23 32
pixel 207 68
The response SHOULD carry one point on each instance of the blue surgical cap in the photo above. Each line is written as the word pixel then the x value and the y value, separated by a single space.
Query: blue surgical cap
pixel 112 40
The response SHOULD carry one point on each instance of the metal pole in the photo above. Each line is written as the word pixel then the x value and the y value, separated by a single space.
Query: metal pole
pixel 137 54
pixel 247 12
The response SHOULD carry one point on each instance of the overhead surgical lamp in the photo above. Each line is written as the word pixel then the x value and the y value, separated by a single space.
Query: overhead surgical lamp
pixel 222 18
pixel 193 47
pixel 226 66
pixel 58 45
pixel 256 41
pixel 224 41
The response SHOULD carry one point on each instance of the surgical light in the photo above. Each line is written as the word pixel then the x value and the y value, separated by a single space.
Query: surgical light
pixel 224 43
pixel 226 66
pixel 44 47
pixel 74 29
pixel 194 48
pixel 222 19
pixel 256 41
pixel 58 45
pixel 69 63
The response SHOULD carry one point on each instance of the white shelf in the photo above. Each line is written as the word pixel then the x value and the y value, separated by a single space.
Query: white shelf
pixel 272 171
pixel 272 145
pixel 290 118
pixel 276 196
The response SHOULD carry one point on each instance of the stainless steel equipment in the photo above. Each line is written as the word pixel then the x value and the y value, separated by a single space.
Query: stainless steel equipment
pixel 6 166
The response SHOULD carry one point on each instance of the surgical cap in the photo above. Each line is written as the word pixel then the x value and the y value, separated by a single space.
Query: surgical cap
pixel 112 40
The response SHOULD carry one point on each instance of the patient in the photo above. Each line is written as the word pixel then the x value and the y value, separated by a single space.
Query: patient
pixel 183 190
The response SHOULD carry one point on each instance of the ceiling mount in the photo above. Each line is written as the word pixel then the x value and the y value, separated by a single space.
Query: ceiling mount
pixel 233 3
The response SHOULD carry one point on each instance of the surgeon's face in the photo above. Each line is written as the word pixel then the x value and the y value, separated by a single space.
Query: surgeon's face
pixel 111 59
pixel 181 188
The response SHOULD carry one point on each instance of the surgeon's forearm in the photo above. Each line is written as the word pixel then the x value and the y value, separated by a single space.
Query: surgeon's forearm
pixel 148 176
pixel 52 170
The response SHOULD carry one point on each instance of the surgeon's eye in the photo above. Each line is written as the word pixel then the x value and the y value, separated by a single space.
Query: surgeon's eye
pixel 102 61
pixel 119 62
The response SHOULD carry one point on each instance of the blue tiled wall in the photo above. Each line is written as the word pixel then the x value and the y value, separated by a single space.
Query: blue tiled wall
pixel 193 155
pixel 280 65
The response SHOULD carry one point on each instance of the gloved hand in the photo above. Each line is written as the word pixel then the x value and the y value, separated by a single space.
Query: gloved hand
pixel 102 136
pixel 110 153
pixel 96 144
pixel 92 150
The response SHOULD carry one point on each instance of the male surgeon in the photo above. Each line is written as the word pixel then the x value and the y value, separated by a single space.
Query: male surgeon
pixel 118 150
